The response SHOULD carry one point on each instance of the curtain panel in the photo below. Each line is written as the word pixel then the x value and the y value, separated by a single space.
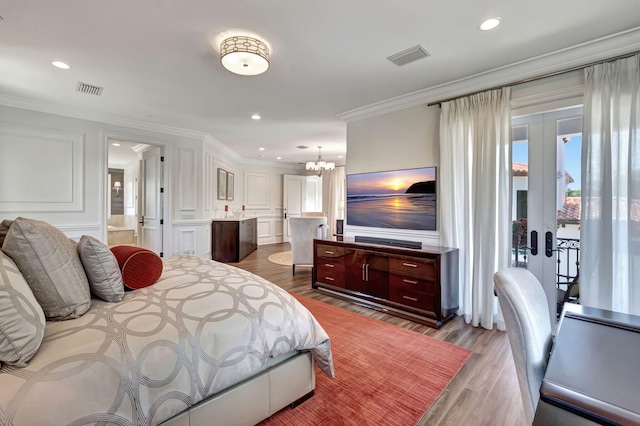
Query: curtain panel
pixel 610 218
pixel 475 209
pixel 334 194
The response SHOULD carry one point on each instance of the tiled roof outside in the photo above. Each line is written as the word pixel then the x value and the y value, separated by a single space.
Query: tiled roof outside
pixel 522 169
pixel 570 212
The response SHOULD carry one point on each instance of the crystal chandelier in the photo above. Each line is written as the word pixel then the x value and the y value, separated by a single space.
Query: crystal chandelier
pixel 320 165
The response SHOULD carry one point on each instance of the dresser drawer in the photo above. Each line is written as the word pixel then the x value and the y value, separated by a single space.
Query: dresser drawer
pixel 412 284
pixel 331 264
pixel 415 299
pixel 330 276
pixel 329 252
pixel 415 267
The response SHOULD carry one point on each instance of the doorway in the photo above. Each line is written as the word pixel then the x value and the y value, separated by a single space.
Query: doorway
pixel 300 194
pixel 546 163
pixel 135 200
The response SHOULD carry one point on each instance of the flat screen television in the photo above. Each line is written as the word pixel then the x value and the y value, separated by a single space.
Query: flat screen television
pixel 400 199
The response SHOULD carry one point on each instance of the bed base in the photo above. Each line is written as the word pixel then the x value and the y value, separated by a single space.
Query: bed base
pixel 249 402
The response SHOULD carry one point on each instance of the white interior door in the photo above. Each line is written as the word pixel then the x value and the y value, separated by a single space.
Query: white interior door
pixel 539 187
pixel 313 202
pixel 150 201
pixel 294 199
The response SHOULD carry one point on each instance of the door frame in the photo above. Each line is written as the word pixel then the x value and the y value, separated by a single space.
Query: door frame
pixel 107 137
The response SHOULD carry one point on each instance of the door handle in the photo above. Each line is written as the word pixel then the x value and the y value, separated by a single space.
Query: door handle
pixel 142 223
pixel 548 244
pixel 534 243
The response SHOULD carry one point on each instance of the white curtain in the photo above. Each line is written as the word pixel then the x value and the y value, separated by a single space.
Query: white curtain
pixel 333 191
pixel 610 222
pixel 475 201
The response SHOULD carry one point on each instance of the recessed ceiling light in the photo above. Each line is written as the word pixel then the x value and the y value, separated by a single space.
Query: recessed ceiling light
pixel 261 149
pixel 489 24
pixel 115 144
pixel 61 65
pixel 256 117
pixel 339 156
pixel 278 158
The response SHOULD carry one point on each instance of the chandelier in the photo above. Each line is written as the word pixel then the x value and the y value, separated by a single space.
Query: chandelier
pixel 320 165
pixel 244 55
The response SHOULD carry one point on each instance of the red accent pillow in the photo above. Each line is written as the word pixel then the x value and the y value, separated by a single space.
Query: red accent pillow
pixel 140 267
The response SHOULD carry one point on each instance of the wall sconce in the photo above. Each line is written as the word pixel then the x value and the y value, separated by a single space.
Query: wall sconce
pixel 117 186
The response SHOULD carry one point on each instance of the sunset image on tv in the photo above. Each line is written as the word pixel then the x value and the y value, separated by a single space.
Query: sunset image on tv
pixel 404 199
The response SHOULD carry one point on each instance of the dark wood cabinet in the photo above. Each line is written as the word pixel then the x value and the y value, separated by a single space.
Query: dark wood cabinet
pixel 233 239
pixel 420 285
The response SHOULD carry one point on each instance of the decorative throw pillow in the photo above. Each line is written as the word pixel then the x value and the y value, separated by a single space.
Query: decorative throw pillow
pixel 51 266
pixel 4 228
pixel 21 320
pixel 102 269
pixel 140 267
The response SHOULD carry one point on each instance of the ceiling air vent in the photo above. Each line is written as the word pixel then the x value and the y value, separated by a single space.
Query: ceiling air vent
pixel 411 54
pixel 302 147
pixel 88 89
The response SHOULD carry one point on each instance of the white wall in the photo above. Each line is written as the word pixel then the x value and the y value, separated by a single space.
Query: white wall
pixel 402 139
pixel 69 189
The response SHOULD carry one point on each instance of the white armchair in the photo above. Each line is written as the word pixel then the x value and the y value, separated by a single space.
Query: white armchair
pixel 303 231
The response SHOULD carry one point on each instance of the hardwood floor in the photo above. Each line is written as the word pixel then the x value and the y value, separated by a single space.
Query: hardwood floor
pixel 485 391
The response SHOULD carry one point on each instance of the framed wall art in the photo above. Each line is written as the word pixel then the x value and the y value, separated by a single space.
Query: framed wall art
pixel 222 184
pixel 230 182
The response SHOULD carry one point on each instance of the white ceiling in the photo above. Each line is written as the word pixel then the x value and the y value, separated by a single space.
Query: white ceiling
pixel 158 59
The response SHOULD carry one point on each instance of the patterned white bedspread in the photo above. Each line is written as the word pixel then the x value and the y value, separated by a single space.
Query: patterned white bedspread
pixel 202 327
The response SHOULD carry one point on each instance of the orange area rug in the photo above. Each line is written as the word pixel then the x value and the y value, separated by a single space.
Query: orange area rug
pixel 385 375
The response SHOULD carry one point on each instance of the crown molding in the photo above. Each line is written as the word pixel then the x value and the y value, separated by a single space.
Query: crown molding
pixel 85 114
pixel 574 56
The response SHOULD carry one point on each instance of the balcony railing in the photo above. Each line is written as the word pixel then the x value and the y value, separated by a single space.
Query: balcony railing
pixel 567 256
pixel 568 259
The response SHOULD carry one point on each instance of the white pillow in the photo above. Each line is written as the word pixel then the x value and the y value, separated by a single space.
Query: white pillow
pixel 21 320
pixel 101 267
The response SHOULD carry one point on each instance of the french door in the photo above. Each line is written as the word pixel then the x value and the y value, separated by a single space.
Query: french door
pixel 546 196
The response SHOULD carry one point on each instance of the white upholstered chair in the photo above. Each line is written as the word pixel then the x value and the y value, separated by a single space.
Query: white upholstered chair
pixel 526 315
pixel 303 230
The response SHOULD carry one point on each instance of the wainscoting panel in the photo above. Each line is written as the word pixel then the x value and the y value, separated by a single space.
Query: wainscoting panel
pixel 209 182
pixel 192 237
pixel 256 189
pixel 43 169
pixel 187 179
pixel 187 241
pixel 75 232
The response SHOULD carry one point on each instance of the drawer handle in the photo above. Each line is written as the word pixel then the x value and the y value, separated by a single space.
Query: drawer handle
pixel 329 279
pixel 328 265
pixel 413 299
pixel 410 265
pixel 329 252
pixel 409 281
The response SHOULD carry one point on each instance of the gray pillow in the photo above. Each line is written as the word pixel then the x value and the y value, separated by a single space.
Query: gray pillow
pixel 22 320
pixel 51 266
pixel 4 228
pixel 101 267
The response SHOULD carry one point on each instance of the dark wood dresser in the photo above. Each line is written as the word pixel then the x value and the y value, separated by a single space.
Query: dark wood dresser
pixel 233 239
pixel 416 284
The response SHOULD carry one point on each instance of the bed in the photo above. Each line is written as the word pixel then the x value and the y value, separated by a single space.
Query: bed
pixel 206 341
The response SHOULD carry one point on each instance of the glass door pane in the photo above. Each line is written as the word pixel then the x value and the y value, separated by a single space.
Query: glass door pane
pixel 546 198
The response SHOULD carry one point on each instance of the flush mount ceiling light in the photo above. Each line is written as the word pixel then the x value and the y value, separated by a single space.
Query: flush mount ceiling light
pixel 320 165
pixel 489 24
pixel 244 55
